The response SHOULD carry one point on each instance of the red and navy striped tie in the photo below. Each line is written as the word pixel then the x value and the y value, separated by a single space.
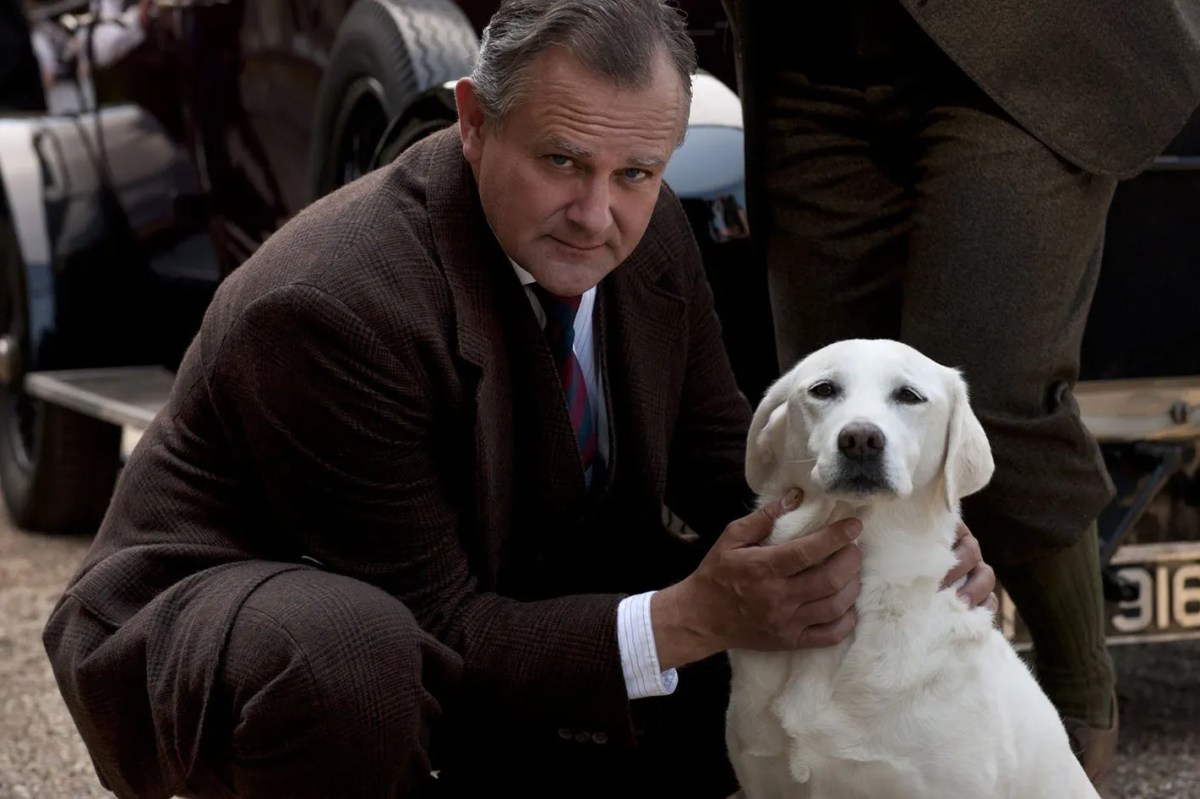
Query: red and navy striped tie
pixel 560 334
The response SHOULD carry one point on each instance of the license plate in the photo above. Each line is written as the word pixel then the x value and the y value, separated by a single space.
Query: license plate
pixel 1167 607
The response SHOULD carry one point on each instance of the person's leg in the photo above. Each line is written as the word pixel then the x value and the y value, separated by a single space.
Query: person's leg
pixel 1063 607
pixel 1005 254
pixel 835 232
pixel 327 687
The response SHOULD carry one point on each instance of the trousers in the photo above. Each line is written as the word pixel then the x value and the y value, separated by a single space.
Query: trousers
pixel 899 201
pixel 327 687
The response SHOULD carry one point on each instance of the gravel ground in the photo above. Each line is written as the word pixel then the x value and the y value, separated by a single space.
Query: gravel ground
pixel 41 756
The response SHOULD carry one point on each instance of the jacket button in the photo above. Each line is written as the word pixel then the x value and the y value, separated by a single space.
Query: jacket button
pixel 565 734
pixel 600 738
pixel 582 737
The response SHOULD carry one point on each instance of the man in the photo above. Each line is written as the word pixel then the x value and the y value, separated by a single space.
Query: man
pixel 941 173
pixel 388 524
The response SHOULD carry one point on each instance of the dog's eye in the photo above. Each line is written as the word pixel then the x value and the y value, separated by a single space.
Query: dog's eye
pixel 908 396
pixel 823 390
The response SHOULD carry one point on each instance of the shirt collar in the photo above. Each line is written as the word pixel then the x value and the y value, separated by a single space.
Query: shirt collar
pixel 525 277
pixel 528 279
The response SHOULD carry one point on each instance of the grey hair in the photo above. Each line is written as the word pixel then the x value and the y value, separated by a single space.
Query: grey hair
pixel 618 39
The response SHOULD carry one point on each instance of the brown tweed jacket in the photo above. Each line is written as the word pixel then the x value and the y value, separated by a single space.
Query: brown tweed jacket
pixel 1104 83
pixel 371 389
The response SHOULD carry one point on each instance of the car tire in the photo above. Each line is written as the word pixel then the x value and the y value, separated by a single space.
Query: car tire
pixel 386 53
pixel 57 467
pixel 429 113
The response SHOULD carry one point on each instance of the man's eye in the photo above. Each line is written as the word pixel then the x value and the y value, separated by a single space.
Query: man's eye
pixel 559 160
pixel 634 174
pixel 908 396
pixel 823 390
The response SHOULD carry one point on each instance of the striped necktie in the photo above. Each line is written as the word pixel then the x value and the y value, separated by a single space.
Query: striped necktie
pixel 560 335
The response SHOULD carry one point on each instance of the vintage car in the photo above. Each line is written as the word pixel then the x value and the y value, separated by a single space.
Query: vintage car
pixel 157 172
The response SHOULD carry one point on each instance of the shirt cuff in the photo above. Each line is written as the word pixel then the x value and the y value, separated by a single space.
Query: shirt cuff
pixel 639 652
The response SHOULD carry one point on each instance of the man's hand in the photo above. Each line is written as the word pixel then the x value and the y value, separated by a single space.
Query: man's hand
pixel 980 586
pixel 789 596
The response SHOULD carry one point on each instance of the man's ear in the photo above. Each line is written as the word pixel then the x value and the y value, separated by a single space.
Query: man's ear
pixel 470 119
pixel 968 463
pixel 768 435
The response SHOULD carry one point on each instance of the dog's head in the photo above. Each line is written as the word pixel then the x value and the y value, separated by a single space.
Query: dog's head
pixel 863 419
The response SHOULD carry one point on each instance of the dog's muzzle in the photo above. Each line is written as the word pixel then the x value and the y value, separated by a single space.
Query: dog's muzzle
pixel 860 460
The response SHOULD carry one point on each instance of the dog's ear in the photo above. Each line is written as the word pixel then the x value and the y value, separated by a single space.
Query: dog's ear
pixel 968 464
pixel 768 433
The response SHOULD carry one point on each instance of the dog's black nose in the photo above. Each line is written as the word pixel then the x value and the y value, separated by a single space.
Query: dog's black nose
pixel 860 441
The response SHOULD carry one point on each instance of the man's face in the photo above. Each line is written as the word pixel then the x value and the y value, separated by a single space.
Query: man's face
pixel 569 180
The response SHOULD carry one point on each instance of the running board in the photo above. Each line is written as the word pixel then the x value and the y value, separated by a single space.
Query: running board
pixel 128 396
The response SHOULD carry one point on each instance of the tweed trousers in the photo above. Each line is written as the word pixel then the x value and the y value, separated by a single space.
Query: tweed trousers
pixel 326 687
pixel 901 202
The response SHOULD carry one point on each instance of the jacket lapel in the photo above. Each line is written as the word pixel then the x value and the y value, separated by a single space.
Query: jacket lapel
pixel 502 347
pixel 644 361
pixel 470 259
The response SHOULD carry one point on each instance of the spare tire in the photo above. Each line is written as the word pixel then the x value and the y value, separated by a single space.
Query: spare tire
pixel 429 113
pixel 386 54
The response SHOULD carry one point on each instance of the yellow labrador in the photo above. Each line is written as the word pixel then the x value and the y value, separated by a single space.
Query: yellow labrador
pixel 925 699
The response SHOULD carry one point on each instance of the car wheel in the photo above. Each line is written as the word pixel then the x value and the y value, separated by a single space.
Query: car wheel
pixel 387 52
pixel 427 115
pixel 57 467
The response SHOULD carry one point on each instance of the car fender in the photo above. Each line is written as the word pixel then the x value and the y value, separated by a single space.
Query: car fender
pixel 708 175
pixel 22 181
pixel 101 205
pixel 710 165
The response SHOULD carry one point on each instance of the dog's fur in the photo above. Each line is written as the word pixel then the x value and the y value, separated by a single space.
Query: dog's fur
pixel 926 698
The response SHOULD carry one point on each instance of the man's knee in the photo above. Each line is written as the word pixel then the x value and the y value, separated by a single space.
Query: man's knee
pixel 327 684
pixel 1050 480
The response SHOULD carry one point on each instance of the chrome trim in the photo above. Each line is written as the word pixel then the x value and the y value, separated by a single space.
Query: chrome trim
pixel 8 347
pixel 1176 163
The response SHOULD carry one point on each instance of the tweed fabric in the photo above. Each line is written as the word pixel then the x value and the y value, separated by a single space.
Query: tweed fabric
pixel 1106 84
pixel 305 696
pixel 1071 661
pixel 351 398
pixel 900 201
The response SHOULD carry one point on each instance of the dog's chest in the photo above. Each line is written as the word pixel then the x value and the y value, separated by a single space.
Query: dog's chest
pixel 856 716
pixel 861 689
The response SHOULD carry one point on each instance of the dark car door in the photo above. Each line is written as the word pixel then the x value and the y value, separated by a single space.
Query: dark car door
pixel 250 75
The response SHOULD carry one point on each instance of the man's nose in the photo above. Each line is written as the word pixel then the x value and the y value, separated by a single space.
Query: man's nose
pixel 861 441
pixel 592 210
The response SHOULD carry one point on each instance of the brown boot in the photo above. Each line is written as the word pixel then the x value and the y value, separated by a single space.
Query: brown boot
pixel 1096 749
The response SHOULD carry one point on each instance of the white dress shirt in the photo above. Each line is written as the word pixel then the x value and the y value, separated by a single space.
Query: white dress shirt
pixel 635 634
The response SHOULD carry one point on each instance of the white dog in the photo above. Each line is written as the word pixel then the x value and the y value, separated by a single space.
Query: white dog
pixel 926 698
